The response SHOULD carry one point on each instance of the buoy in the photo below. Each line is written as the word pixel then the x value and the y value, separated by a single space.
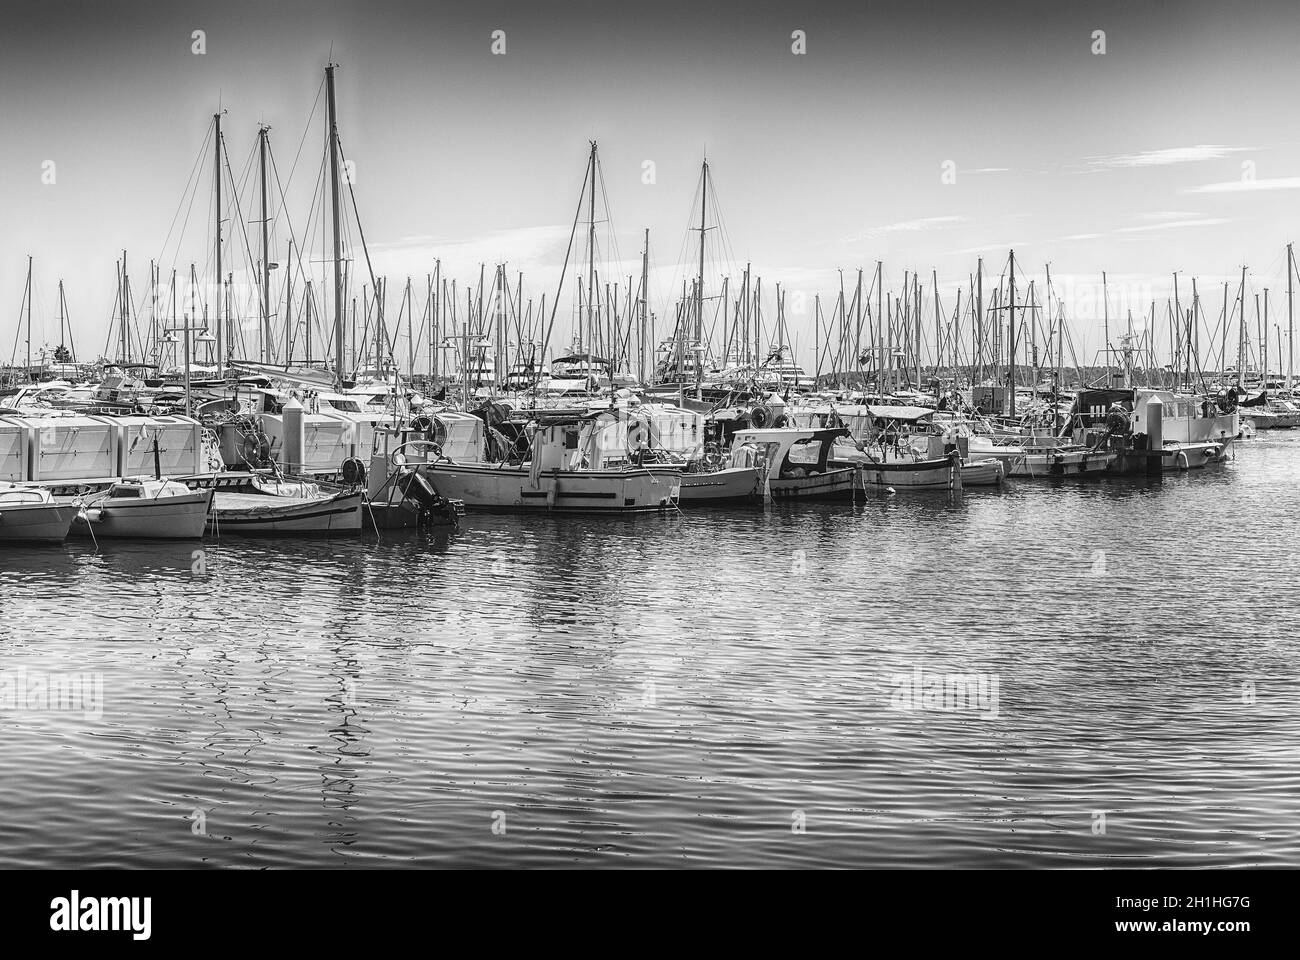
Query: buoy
pixel 890 490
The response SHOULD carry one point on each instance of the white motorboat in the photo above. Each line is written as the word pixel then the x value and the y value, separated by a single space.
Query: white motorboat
pixel 145 508
pixel 32 515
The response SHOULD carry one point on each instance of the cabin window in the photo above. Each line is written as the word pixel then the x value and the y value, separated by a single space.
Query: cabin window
pixel 805 452
pixel 570 439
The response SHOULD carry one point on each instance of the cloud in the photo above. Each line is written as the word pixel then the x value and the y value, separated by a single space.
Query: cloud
pixel 911 226
pixel 1166 157
pixel 989 170
pixel 1079 236
pixel 1165 215
pixel 1246 186
pixel 990 247
pixel 1205 222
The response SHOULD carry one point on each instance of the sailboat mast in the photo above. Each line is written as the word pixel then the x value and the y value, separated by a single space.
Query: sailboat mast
pixel 288 308
pixel 645 277
pixel 698 344
pixel 1241 335
pixel 126 295
pixel 591 262
pixel 1290 353
pixel 335 206
pixel 216 227
pixel 1011 330
pixel 29 317
pixel 266 272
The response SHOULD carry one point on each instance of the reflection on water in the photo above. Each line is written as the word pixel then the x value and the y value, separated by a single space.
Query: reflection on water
pixel 719 688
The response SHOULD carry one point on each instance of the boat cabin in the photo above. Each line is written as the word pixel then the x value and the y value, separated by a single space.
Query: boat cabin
pixel 788 452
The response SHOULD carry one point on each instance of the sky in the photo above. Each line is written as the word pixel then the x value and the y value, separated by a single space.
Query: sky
pixel 924 135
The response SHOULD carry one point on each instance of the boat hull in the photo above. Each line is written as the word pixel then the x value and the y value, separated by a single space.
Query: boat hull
pixel 914 475
pixel 731 486
pixel 181 517
pixel 1052 465
pixel 1190 456
pixel 834 484
pixel 982 473
pixel 640 490
pixel 242 514
pixel 37 522
pixel 1270 420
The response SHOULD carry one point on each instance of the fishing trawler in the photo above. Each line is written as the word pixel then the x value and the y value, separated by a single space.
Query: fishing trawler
pixel 574 462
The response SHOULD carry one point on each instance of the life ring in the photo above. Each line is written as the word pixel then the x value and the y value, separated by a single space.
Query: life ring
pixel 1118 423
pixel 712 455
pixel 422 425
pixel 760 417
pixel 781 421
pixel 354 471
pixel 638 434
pixel 251 448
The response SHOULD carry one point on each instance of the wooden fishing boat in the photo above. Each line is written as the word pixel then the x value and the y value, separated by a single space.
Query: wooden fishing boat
pixel 944 473
pixel 904 446
pixel 261 503
pixel 576 463
pixel 32 515
pixel 796 462
pixel 722 487
pixel 145 508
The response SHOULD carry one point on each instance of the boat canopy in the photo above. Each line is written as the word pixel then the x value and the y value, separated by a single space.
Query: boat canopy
pixel 901 413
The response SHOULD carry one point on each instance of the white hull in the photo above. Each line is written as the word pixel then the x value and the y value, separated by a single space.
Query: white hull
pixel 180 517
pixel 636 490
pixel 1190 456
pixel 1050 465
pixel 249 514
pixel 1268 420
pixel 983 473
pixel 37 522
pixel 722 486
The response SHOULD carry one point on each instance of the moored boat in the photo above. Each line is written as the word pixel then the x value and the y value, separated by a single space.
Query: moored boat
pixel 32 515
pixel 576 463
pixel 796 463
pixel 260 503
pixel 146 509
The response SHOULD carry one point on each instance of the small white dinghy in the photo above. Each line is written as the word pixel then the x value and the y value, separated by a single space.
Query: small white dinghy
pixel 142 508
pixel 32 515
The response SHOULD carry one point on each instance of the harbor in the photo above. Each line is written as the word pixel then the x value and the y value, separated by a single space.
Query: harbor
pixel 399 426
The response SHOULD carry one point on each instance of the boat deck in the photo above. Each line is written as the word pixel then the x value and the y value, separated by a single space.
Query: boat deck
pixel 238 500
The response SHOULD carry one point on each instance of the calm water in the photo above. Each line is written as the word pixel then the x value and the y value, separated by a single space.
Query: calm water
pixel 714 689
